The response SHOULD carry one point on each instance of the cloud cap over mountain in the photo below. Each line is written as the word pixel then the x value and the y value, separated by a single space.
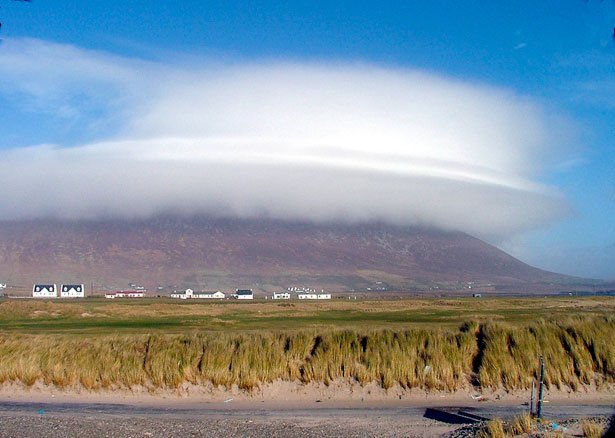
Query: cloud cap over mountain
pixel 286 140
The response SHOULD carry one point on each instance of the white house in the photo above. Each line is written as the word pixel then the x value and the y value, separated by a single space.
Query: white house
pixel 243 294
pixel 125 294
pixel 45 291
pixel 183 295
pixel 217 295
pixel 281 296
pixel 72 291
pixel 307 296
pixel 301 289
pixel 189 294
pixel 320 296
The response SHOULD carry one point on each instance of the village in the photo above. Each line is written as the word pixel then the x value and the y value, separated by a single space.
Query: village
pixel 51 291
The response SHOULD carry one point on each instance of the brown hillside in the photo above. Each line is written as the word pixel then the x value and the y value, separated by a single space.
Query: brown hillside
pixel 223 254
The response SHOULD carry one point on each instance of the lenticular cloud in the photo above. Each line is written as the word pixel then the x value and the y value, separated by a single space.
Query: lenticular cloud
pixel 287 140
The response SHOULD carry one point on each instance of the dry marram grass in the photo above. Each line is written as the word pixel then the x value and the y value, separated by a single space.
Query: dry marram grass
pixel 577 352
pixel 521 424
pixel 494 429
pixel 591 429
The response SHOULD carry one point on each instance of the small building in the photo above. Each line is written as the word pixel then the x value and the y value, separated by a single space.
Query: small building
pixel 313 296
pixel 307 296
pixel 44 291
pixel 189 294
pixel 183 295
pixel 72 291
pixel 477 295
pixel 217 295
pixel 243 294
pixel 125 294
pixel 301 289
pixel 281 296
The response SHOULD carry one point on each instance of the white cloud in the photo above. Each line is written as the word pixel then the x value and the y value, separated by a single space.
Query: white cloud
pixel 316 141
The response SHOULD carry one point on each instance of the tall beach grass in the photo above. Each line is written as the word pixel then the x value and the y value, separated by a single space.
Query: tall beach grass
pixel 577 351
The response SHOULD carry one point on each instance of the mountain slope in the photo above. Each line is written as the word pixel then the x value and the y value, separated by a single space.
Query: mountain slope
pixel 263 254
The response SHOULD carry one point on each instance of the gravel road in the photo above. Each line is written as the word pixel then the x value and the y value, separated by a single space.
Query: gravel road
pixel 18 419
pixel 60 425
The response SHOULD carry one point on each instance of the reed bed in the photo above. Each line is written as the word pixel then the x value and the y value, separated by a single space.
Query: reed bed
pixel 577 351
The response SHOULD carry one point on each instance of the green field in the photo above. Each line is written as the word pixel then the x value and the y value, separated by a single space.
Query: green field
pixel 145 316
pixel 443 344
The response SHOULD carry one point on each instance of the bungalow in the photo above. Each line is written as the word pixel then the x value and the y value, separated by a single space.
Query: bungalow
pixel 189 294
pixel 281 296
pixel 320 296
pixel 243 294
pixel 301 289
pixel 125 294
pixel 183 295
pixel 44 291
pixel 307 296
pixel 211 295
pixel 72 291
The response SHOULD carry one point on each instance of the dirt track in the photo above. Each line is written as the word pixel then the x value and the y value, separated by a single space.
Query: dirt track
pixel 27 419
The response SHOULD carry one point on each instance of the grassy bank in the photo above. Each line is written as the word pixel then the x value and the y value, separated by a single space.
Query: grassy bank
pixel 578 351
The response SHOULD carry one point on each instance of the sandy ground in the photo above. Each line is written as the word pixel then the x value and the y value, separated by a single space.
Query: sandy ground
pixel 280 409
pixel 285 393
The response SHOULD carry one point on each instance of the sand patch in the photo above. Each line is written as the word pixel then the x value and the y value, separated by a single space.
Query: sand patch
pixel 291 393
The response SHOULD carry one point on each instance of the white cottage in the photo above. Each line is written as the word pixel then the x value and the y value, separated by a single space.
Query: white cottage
pixel 189 294
pixel 311 296
pixel 243 294
pixel 307 296
pixel 72 291
pixel 125 294
pixel 217 295
pixel 281 296
pixel 44 291
pixel 183 295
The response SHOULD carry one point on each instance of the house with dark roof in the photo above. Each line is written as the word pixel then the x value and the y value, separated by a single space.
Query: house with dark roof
pixel 44 291
pixel 72 291
pixel 243 294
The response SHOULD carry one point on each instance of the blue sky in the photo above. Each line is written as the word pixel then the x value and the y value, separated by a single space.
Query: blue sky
pixel 549 61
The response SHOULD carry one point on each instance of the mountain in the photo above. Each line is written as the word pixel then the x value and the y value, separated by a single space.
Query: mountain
pixel 262 254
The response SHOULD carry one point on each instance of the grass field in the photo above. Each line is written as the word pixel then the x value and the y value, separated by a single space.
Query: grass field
pixel 139 316
pixel 431 344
